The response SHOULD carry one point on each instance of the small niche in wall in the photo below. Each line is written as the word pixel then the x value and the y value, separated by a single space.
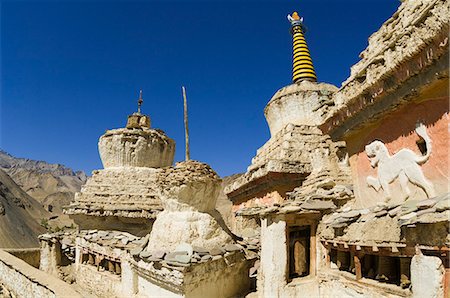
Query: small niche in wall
pixel 299 251
pixel 387 269
pixel 382 268
pixel 102 263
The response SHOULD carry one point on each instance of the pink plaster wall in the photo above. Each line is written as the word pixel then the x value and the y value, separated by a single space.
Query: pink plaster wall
pixel 397 131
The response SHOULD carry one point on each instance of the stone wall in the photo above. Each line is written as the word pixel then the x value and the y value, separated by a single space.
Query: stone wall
pixel 427 273
pixel 340 285
pixel 50 257
pixel 409 44
pixel 123 199
pixel 29 255
pixel 397 132
pixel 23 280
pixel 303 103
pixel 427 276
pixel 145 286
pixel 222 277
pixel 128 147
pixel 218 279
pixel 103 284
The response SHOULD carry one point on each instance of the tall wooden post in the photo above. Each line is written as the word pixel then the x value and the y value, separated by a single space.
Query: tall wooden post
pixel 186 128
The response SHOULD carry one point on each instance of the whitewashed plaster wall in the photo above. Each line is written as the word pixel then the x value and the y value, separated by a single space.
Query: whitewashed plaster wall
pixel 23 280
pixel 427 276
pixel 272 276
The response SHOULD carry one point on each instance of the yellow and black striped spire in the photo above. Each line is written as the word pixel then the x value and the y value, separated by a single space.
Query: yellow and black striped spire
pixel 303 68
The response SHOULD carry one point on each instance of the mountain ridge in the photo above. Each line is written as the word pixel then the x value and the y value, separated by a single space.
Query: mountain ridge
pixel 20 216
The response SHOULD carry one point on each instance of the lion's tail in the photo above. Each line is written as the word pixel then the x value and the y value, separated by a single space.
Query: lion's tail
pixel 421 130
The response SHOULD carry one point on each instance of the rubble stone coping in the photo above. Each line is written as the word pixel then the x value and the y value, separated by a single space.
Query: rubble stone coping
pixel 301 201
pixel 407 213
pixel 130 192
pixel 114 243
pixel 189 185
pixel 412 46
pixel 185 255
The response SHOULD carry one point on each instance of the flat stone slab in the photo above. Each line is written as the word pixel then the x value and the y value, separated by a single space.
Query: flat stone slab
pixel 395 211
pixel 185 247
pixel 136 251
pixel 408 216
pixel 425 211
pixel 381 213
pixel 351 214
pixel 172 256
pixel 442 205
pixel 200 250
pixel 425 204
pixel 183 258
pixel 232 247
pixel 318 205
pixel 158 254
pixel 216 252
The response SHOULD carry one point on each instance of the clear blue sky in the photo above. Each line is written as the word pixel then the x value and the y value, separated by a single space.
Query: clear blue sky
pixel 71 70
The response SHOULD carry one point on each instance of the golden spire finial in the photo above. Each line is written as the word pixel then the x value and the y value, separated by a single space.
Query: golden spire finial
pixel 302 68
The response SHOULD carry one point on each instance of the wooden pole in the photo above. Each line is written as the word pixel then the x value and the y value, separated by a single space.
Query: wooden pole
pixel 186 128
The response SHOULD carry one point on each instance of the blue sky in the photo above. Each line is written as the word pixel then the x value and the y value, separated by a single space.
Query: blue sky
pixel 72 69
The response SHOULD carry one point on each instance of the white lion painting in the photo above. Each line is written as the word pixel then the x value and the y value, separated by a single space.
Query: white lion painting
pixel 403 165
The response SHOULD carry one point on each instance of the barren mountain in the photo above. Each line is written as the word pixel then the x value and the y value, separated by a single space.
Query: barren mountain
pixel 53 185
pixel 20 216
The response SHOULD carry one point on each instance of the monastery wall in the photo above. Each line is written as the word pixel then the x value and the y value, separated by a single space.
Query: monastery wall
pixel 397 132
pixel 103 284
pixel 29 255
pixel 401 81
pixel 23 280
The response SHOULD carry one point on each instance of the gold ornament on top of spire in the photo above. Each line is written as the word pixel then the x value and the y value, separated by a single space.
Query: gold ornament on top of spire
pixel 303 68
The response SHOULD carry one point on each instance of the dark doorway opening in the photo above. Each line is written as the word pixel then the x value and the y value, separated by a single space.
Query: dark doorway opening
pixel 299 251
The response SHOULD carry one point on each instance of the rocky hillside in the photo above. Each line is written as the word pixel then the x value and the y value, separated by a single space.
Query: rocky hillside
pixel 52 185
pixel 20 216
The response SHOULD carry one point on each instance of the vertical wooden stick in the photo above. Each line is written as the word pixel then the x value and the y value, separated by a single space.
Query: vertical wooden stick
pixel 186 128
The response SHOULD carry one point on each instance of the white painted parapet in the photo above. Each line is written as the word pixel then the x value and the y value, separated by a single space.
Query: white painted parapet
pixel 136 147
pixel 427 276
pixel 23 280
pixel 272 276
pixel 304 103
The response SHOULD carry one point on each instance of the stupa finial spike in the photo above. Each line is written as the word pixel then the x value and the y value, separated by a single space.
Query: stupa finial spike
pixel 140 101
pixel 302 68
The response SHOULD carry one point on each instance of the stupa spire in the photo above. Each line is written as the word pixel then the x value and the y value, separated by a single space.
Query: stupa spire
pixel 303 68
pixel 140 101
pixel 138 120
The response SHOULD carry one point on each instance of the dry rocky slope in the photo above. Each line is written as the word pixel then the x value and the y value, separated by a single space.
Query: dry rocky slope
pixel 20 216
pixel 52 185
